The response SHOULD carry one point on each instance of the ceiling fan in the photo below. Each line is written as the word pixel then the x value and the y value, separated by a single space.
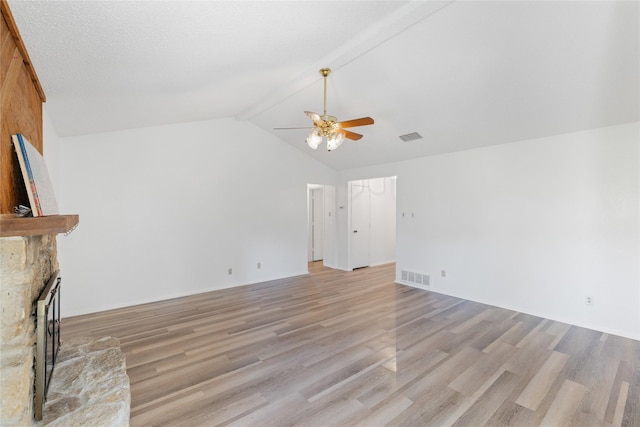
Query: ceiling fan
pixel 326 126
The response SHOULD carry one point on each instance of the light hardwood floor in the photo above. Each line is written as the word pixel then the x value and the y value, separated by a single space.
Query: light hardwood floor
pixel 341 348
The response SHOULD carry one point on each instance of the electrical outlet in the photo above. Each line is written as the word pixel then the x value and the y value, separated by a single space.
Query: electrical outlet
pixel 588 300
pixel 230 271
pixel 443 273
pixel 259 265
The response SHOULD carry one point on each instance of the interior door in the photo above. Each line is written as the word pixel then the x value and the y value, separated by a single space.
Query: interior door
pixel 360 224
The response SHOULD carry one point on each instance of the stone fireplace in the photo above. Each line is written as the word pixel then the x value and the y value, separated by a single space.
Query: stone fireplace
pixel 89 383
pixel 26 263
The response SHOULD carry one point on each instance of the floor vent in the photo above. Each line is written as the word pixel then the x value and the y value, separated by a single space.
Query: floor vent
pixel 415 278
pixel 410 136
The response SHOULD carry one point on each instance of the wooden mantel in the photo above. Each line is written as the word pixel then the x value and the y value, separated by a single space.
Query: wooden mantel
pixel 54 224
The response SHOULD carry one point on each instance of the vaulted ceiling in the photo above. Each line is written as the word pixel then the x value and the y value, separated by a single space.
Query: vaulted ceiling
pixel 461 74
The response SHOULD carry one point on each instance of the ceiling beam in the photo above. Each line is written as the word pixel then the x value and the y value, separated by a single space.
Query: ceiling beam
pixel 394 24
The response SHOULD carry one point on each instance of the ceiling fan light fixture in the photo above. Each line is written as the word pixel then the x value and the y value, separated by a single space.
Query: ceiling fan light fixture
pixel 328 128
pixel 314 139
pixel 334 140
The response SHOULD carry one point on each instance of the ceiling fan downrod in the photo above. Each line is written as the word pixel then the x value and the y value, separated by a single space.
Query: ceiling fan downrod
pixel 324 72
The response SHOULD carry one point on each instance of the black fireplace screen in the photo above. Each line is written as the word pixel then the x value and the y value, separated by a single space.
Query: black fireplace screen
pixel 47 339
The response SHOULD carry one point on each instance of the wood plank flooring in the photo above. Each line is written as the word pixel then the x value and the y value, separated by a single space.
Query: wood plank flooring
pixel 338 348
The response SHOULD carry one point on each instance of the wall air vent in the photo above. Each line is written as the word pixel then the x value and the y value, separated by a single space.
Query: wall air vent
pixel 411 277
pixel 410 136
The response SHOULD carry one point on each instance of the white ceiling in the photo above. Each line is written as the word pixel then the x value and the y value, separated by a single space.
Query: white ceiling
pixel 462 74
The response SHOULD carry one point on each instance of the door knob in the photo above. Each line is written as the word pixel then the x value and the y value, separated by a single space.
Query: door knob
pixel 355 231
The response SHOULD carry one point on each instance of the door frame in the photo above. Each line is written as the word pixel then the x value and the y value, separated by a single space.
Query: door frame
pixel 329 237
pixel 315 193
pixel 374 260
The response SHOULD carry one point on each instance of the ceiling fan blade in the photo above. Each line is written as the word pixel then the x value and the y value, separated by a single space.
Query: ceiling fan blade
pixel 315 117
pixel 351 135
pixel 363 121
pixel 307 127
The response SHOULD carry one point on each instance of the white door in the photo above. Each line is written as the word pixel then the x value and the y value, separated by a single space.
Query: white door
pixel 360 224
pixel 316 225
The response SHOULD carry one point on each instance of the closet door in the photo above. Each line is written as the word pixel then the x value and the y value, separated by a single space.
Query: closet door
pixel 360 224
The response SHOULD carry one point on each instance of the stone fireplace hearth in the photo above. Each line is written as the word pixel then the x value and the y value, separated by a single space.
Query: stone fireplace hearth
pixel 89 383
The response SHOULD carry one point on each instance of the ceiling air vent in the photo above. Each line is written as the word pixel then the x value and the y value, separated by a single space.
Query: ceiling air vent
pixel 410 136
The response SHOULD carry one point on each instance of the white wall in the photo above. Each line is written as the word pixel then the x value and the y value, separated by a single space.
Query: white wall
pixel 534 226
pixel 383 220
pixel 51 145
pixel 165 211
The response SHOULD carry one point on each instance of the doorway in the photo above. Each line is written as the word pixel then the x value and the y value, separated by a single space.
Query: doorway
pixel 321 228
pixel 316 224
pixel 372 222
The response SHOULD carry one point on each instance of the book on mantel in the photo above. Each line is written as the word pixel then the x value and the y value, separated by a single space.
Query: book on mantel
pixel 36 177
